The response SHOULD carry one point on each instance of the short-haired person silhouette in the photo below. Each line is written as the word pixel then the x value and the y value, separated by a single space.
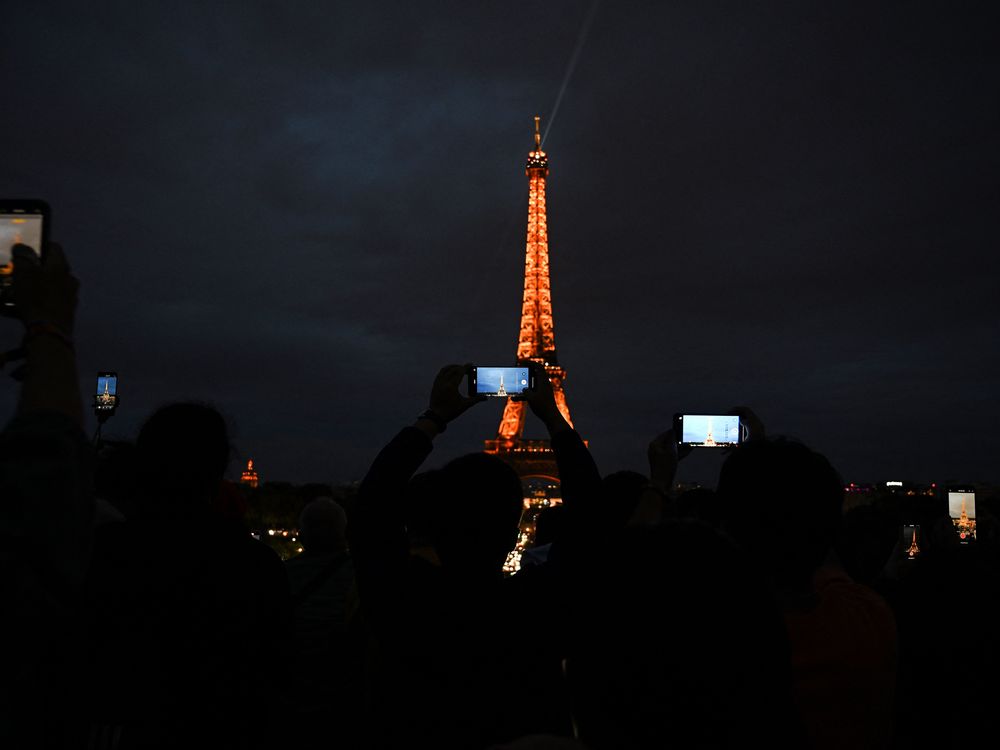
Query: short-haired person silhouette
pixel 189 613
pixel 455 658
pixel 323 527
pixel 474 538
pixel 183 450
pixel 782 503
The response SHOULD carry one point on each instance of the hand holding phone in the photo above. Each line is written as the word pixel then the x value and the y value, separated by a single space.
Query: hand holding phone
pixel 909 546
pixel 751 426
pixel 664 453
pixel 447 401
pixel 541 398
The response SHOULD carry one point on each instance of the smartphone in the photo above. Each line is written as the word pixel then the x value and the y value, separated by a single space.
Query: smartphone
pixel 708 430
pixel 22 222
pixel 500 382
pixel 106 397
pixel 962 509
pixel 911 541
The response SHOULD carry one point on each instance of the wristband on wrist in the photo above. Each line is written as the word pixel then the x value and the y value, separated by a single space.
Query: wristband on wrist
pixel 432 416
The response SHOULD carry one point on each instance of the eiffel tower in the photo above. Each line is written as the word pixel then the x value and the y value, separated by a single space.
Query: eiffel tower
pixel 534 460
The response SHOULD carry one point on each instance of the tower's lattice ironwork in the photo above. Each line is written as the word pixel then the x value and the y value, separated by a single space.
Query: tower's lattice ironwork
pixel 536 341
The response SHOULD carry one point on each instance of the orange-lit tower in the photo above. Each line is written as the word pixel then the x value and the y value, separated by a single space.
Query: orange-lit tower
pixel 533 459
pixel 250 477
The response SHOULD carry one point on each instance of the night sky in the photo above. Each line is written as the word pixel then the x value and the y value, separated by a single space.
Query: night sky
pixel 300 211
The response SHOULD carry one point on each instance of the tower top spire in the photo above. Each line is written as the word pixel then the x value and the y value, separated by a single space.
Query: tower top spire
pixel 536 157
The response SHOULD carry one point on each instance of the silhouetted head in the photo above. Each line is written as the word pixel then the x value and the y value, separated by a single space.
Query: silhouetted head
pixel 678 644
pixel 322 527
pixel 867 536
pixel 622 490
pixel 477 521
pixel 182 452
pixel 782 502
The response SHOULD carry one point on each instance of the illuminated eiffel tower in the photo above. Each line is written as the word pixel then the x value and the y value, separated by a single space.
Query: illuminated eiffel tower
pixel 533 459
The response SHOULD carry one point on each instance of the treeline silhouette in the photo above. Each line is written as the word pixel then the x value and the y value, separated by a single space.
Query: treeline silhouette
pixel 140 611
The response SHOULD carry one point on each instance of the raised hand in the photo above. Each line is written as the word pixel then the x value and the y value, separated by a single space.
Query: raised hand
pixel 45 296
pixel 45 293
pixel 754 425
pixel 664 454
pixel 447 401
pixel 542 400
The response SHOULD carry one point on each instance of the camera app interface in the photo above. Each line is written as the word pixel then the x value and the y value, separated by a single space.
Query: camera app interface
pixel 107 391
pixel 710 431
pixel 501 381
pixel 962 509
pixel 18 229
pixel 911 541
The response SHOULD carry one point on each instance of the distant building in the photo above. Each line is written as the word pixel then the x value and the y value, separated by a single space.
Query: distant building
pixel 250 477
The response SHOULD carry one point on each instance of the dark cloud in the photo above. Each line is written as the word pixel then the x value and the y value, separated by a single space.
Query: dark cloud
pixel 300 211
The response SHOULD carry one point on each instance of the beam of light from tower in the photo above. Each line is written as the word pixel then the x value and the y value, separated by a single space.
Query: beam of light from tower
pixel 580 40
pixel 505 236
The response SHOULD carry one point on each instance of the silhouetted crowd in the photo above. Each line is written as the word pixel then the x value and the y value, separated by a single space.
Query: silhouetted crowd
pixel 756 615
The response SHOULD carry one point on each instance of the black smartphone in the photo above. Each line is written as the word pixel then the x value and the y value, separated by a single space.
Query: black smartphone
pixel 911 541
pixel 962 510
pixel 708 430
pixel 22 222
pixel 499 382
pixel 106 397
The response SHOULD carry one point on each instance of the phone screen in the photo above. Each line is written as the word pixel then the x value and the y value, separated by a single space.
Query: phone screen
pixel 106 396
pixel 911 541
pixel 962 509
pixel 709 430
pixel 501 381
pixel 18 229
